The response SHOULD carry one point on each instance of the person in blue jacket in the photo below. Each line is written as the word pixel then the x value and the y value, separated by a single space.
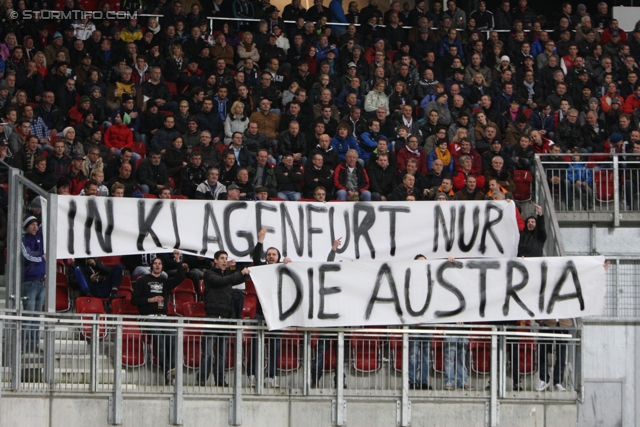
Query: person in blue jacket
pixel 344 142
pixel 33 272
pixel 337 15
pixel 581 176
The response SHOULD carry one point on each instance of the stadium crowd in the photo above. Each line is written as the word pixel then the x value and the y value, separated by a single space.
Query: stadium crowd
pixel 412 104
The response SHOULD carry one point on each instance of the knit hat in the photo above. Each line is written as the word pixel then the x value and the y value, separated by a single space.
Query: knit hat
pixel 57 35
pixel 126 97
pixel 616 101
pixel 95 88
pixel 505 58
pixel 63 182
pixel 581 7
pixel 28 221
pixel 594 100
pixel 84 99
pixel 151 103
pixel 615 138
pixel 126 119
pixel 65 130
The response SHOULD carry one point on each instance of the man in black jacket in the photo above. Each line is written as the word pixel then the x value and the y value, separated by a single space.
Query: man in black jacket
pixel 218 303
pixel 533 237
pixel 272 256
pixel 150 295
pixel 382 177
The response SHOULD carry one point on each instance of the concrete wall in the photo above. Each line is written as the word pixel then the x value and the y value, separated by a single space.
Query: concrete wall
pixel 74 411
pixel 608 240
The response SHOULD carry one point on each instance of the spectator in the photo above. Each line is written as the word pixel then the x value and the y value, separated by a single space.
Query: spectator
pixel 218 303
pixel 289 177
pixel 24 159
pixel 581 177
pixel 57 162
pixel 98 280
pixel 523 155
pixel 412 151
pixel 126 180
pixel 294 141
pixel 406 190
pixel 331 159
pixel 533 237
pixel 192 175
pixel 262 174
pixel 150 295
pixel 40 176
pixel 161 140
pixel 152 174
pixel 443 154
pixel 464 171
pixel 350 179
pixel 33 273
pixel 211 189
pixel 498 172
pixel 381 176
pixel 267 121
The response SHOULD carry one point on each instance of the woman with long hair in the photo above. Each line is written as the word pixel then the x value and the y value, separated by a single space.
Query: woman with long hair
pixel 236 121
pixel 176 62
pixel 176 157
pixel 182 117
pixel 399 98
pixel 248 49
pixel 441 152
pixel 181 32
pixel 19 101
pixel 41 64
pixel 230 35
pixel 153 26
pixel 478 88
pixel 10 41
pixel 310 56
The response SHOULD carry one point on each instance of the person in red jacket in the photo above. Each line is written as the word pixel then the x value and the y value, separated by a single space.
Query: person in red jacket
pixel 412 151
pixel 541 145
pixel 465 169
pixel 632 102
pixel 119 136
pixel 76 175
pixel 74 116
pixel 466 149
pixel 613 30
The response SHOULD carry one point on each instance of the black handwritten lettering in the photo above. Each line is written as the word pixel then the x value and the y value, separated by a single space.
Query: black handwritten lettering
pixel 488 224
pixel 569 267
pixel 347 228
pixel 392 223
pixel 407 293
pixel 71 219
pixel 449 235
pixel 311 230
pixel 286 219
pixel 462 303
pixel 361 229
pixel 327 268
pixel 145 223
pixel 259 208
pixel 543 285
pixel 93 215
pixel 174 221
pixel 247 235
pixel 483 266
pixel 310 281
pixel 512 290
pixel 384 271
pixel 461 225
pixel 210 217
pixel 284 271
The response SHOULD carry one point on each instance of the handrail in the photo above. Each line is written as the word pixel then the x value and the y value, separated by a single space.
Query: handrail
pixel 545 199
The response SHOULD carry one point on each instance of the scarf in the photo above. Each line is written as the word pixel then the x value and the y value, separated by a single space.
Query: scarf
pixel 446 157
pixel 529 88
pixel 248 46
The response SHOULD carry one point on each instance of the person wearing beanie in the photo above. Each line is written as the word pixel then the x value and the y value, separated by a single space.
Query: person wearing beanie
pixel 33 272
pixel 119 135
pixel 74 116
pixel 152 119
pixel 62 186
pixel 52 49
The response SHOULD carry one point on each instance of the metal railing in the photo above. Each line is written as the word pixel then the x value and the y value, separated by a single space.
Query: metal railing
pixel 593 186
pixel 622 298
pixel 193 356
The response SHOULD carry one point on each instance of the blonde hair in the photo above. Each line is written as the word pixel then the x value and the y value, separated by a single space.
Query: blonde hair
pixel 39 54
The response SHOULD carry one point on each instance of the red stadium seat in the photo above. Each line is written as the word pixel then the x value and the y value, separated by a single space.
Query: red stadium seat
pixel 192 335
pixel 183 293
pixel 365 353
pixel 289 351
pixel 480 353
pixel 133 349
pixel 110 261
pixel 250 306
pixel 149 196
pixel 395 349
pixel 523 180
pixel 140 148
pixel 179 197
pixel 63 297
pixel 173 89
pixel 603 185
pixel 90 305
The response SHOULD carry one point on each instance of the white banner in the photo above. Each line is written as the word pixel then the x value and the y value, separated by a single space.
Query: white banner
pixel 412 292
pixel 100 226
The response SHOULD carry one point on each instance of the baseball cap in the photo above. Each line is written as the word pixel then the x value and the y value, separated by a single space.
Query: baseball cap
pixel 233 187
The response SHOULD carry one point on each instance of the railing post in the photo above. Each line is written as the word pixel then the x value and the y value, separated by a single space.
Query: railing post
pixel 95 330
pixel 51 241
pixel 1 365
pixel 14 240
pixel 502 363
pixel 306 363
pixel 616 192
pixel 235 403
pixel 259 368
pixel 177 400
pixel 16 354
pixel 49 354
pixel 493 400
pixel 338 405
pixel 404 405
pixel 115 401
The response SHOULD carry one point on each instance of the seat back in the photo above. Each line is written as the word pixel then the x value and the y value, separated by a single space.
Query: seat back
pixel 63 298
pixel 124 307
pixel 365 353
pixel 90 305
pixel 289 351
pixel 603 185
pixel 523 179
pixel 193 309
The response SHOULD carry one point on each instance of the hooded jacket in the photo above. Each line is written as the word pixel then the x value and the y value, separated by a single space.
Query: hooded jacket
pixel 218 299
